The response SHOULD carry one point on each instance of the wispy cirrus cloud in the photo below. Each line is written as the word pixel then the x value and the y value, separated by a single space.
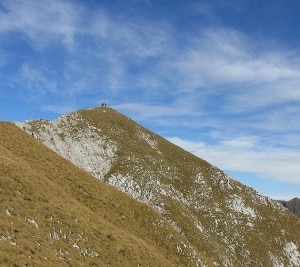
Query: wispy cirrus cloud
pixel 211 57
pixel 221 56
pixel 151 111
pixel 247 155
pixel 42 22
pixel 38 79
pixel 59 109
pixel 104 51
pixel 121 53
pixel 235 92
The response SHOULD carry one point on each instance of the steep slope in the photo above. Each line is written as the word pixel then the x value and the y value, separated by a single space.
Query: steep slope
pixel 228 222
pixel 55 214
pixel 293 205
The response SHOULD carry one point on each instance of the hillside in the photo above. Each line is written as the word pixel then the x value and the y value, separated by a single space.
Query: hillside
pixel 293 205
pixel 221 222
pixel 54 214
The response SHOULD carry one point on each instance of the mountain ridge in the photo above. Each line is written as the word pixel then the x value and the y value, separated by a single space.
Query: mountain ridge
pixel 217 216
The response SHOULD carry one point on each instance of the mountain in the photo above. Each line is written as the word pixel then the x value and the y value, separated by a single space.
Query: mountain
pixel 219 221
pixel 293 205
pixel 55 214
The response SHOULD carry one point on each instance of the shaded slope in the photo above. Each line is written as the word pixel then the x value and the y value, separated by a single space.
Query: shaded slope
pixel 228 222
pixel 293 205
pixel 54 214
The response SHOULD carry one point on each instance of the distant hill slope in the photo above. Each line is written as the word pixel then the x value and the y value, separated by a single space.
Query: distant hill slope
pixel 229 223
pixel 293 205
pixel 54 214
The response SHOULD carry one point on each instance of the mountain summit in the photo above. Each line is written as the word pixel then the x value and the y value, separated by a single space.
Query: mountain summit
pixel 219 221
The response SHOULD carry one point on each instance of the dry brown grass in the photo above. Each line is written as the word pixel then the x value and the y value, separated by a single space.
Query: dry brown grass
pixel 64 201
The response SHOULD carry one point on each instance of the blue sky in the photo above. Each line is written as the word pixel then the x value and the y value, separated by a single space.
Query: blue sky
pixel 219 78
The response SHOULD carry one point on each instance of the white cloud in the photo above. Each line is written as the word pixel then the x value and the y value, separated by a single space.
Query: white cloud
pixel 65 22
pixel 247 155
pixel 124 52
pixel 231 69
pixel 143 111
pixel 219 57
pixel 63 109
pixel 42 22
pixel 37 80
pixel 103 48
pixel 211 59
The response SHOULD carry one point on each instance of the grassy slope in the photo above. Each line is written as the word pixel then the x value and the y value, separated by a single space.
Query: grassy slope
pixel 71 211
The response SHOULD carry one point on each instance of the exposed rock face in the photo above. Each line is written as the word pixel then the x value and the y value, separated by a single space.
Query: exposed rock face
pixel 229 223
